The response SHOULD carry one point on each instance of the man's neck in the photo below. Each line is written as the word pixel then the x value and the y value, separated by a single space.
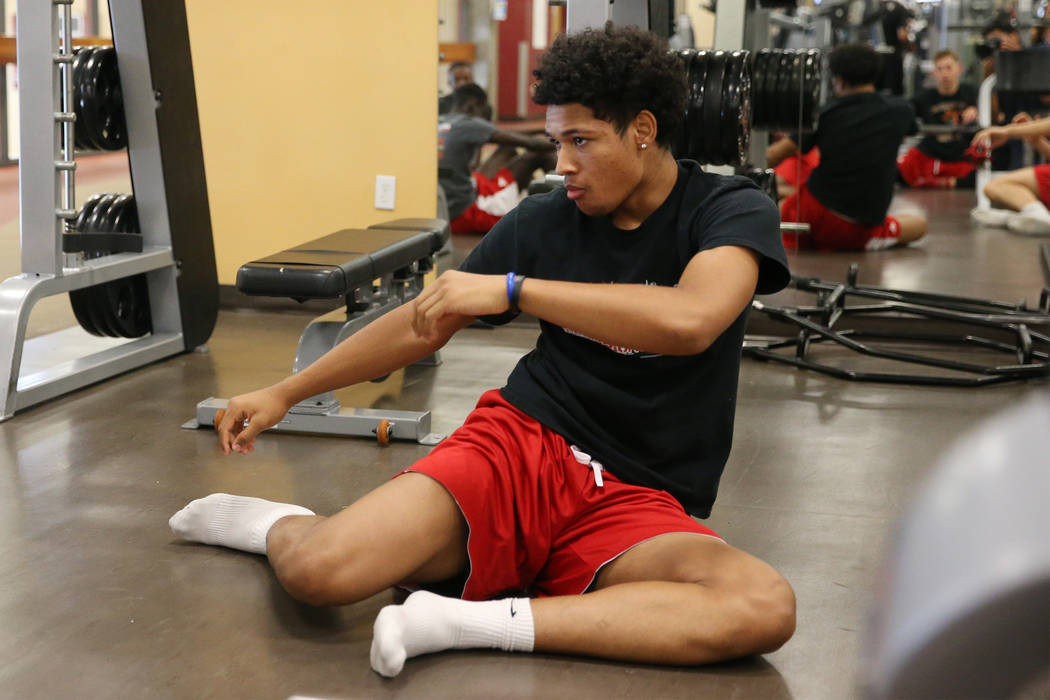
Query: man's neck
pixel 651 192
pixel 949 90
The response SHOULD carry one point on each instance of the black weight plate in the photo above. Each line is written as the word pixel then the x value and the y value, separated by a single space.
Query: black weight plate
pixel 128 298
pixel 85 302
pixel 80 136
pixel 744 111
pixel 98 302
pixel 78 299
pixel 86 98
pixel 757 64
pixel 758 76
pixel 769 89
pixel 780 90
pixel 698 76
pixel 716 68
pixel 797 86
pixel 681 143
pixel 784 90
pixel 730 125
pixel 814 83
pixel 112 134
pixel 128 302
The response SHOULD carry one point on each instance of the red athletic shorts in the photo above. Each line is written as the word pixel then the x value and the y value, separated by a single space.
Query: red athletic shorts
pixel 796 168
pixel 495 198
pixel 538 521
pixel 1042 179
pixel 920 170
pixel 829 231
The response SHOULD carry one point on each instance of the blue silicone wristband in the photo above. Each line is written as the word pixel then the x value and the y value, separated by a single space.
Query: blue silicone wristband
pixel 510 290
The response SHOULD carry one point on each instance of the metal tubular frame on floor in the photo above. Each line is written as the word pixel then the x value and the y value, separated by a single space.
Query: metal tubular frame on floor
pixel 822 323
pixel 47 209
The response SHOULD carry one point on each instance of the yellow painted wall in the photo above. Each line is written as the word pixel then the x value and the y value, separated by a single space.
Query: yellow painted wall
pixel 301 105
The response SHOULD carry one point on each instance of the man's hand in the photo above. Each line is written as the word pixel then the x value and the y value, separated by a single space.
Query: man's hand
pixel 261 409
pixel 457 293
pixel 991 137
pixel 969 115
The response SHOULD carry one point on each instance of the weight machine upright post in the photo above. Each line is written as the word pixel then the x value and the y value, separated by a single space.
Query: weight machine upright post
pixel 39 149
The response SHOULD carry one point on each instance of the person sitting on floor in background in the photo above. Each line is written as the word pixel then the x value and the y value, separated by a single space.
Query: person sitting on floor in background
pixel 576 481
pixel 939 160
pixel 459 73
pixel 846 197
pixel 1023 194
pixel 478 196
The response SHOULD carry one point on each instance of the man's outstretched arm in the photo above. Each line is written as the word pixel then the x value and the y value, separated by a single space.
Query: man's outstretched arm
pixel 383 346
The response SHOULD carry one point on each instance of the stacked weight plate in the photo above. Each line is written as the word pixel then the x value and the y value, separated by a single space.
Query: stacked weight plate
pixel 717 126
pixel 786 88
pixel 118 309
pixel 97 99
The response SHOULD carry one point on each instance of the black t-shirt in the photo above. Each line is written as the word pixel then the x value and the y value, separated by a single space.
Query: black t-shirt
pixel 858 136
pixel 660 421
pixel 934 108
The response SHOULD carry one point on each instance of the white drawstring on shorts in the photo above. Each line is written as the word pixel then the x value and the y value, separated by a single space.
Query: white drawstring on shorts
pixel 585 459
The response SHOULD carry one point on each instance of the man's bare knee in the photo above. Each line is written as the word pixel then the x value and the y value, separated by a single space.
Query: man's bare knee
pixel 759 616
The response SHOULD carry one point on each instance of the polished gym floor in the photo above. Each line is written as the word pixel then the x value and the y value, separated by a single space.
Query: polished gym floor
pixel 99 600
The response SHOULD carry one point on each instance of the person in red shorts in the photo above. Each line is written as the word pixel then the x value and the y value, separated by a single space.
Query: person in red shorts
pixel 1022 195
pixel 939 160
pixel 479 196
pixel 562 513
pixel 846 197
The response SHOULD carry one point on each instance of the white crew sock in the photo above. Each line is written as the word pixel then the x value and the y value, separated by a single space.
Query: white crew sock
pixel 427 622
pixel 1036 210
pixel 239 522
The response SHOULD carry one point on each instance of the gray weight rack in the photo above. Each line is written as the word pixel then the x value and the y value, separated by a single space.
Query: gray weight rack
pixel 48 208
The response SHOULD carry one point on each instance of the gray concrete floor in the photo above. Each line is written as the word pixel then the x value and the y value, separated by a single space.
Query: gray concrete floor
pixel 100 600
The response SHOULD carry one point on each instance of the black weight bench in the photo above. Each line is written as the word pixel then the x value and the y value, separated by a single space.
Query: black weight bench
pixel 375 270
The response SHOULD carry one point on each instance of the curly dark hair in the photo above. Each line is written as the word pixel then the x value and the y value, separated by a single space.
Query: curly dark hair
pixel 617 72
pixel 855 64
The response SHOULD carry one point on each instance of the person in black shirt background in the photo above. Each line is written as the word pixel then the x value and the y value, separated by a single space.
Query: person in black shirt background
pixel 576 481
pixel 939 160
pixel 846 197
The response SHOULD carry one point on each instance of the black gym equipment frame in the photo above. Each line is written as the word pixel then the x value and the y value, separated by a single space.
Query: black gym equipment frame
pixel 168 179
pixel 1007 328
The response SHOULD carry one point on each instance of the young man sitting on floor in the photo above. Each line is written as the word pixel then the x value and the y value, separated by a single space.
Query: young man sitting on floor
pixel 940 159
pixel 479 196
pixel 1023 194
pixel 576 481
pixel 846 197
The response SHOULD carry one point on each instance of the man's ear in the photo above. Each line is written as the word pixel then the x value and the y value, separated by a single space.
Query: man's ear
pixel 645 128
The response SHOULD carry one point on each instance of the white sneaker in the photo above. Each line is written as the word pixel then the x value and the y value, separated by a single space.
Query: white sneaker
pixel 1028 225
pixel 991 217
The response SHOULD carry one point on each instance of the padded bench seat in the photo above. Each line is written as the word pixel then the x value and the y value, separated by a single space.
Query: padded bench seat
pixel 336 264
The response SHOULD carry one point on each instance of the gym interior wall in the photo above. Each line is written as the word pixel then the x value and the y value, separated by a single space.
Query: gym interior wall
pixel 301 105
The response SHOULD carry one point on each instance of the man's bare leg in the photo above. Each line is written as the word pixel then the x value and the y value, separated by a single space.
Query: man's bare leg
pixel 913 227
pixel 1013 190
pixel 409 529
pixel 675 599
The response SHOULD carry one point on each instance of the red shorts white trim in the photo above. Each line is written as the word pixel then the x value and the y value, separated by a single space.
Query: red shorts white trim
pixel 495 198
pixel 921 170
pixel 541 519
pixel 830 231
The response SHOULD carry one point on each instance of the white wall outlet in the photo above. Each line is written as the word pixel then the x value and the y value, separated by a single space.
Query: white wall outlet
pixel 386 188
